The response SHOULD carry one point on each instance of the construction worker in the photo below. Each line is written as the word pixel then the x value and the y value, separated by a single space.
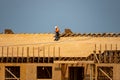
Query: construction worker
pixel 57 37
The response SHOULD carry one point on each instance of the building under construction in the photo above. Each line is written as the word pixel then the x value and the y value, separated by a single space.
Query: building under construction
pixel 76 56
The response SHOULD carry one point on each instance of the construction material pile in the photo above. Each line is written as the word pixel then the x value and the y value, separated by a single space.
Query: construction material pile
pixel 69 33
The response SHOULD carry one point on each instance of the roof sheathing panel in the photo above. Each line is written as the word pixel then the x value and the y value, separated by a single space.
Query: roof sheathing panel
pixel 70 46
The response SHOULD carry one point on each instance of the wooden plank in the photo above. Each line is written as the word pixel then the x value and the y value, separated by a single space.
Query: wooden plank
pixel 48 54
pixel 7 53
pixel 96 72
pixel 105 53
pixel 91 72
pixel 2 53
pixel 33 54
pixel 100 54
pixel 67 62
pixel 115 55
pixel 105 74
pixel 12 55
pixel 94 53
pixel 96 57
pixel 12 78
pixel 38 54
pixel 59 52
pixel 11 73
pixel 17 53
pixel 43 53
pixel 27 54
pixel 53 53
pixel 105 64
pixel 22 53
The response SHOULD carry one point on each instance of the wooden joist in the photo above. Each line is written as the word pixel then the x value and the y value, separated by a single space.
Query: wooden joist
pixel 70 62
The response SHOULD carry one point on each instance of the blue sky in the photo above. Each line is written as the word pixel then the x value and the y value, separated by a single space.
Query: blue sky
pixel 40 16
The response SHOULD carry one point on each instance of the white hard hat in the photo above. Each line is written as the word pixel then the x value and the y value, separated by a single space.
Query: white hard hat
pixel 56 27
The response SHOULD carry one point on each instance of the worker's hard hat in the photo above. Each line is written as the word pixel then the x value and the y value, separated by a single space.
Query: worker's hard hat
pixel 56 27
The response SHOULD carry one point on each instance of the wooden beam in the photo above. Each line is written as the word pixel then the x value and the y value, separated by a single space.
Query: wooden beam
pixel 100 54
pixel 96 72
pixel 33 54
pixel 43 53
pixel 11 73
pixel 53 53
pixel 64 70
pixel 12 78
pixel 27 54
pixel 116 56
pixel 7 54
pixel 91 72
pixel 105 54
pixel 59 52
pixel 105 74
pixel 97 58
pixel 48 54
pixel 71 62
pixel 12 55
pixel 2 53
pixel 38 53
pixel 17 53
pixel 22 53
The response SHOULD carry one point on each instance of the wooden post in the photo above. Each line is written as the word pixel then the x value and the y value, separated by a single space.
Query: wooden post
pixel 59 52
pixel 95 47
pixel 100 54
pixel 38 53
pixel 7 51
pixel 53 53
pixel 2 53
pixel 116 46
pixel 63 70
pixel 43 53
pixel 95 54
pixel 105 53
pixel 33 55
pixel 17 53
pixel 59 55
pixel 96 72
pixel 48 54
pixel 110 54
pixel 111 46
pixel 116 55
pixel 7 54
pixel 12 55
pixel 91 72
pixel 22 53
pixel 27 54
